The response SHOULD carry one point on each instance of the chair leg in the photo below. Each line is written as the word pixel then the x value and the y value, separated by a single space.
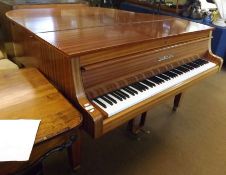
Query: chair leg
pixel 177 99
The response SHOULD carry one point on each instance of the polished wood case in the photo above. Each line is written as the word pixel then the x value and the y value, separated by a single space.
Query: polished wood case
pixel 87 52
pixel 6 39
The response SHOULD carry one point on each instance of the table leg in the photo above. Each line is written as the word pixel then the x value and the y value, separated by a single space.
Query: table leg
pixel 74 153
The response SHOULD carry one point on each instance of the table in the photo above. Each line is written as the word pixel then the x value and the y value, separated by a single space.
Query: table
pixel 7 5
pixel 26 94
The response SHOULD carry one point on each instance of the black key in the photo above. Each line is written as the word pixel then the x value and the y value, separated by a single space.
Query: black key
pixel 134 91
pixel 105 99
pixel 164 77
pixel 142 86
pixel 188 67
pixel 170 74
pixel 177 71
pixel 148 83
pixel 120 94
pixel 129 91
pixel 193 65
pixel 203 61
pixel 135 86
pixel 198 62
pixel 100 103
pixel 182 69
pixel 173 73
pixel 156 80
pixel 125 94
pixel 116 96
pixel 109 98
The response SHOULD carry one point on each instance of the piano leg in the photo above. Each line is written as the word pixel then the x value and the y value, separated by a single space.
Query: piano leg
pixel 136 129
pixel 74 153
pixel 176 101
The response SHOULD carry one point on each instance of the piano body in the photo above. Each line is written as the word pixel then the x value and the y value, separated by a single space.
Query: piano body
pixel 112 64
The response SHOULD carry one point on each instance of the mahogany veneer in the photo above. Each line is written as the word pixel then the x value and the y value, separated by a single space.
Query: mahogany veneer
pixel 87 52
pixel 7 5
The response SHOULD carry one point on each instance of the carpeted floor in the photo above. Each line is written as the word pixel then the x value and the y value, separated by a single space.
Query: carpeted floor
pixel 191 141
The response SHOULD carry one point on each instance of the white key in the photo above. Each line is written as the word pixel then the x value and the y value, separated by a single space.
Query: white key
pixel 141 96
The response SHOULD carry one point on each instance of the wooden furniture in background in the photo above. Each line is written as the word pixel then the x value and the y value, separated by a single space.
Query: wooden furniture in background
pixel 7 5
pixel 26 94
pixel 87 52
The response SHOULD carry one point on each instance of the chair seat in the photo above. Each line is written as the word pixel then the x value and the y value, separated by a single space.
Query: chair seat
pixel 6 64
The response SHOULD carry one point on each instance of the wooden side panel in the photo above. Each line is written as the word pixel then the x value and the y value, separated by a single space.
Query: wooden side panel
pixel 63 72
pixel 93 119
pixel 33 52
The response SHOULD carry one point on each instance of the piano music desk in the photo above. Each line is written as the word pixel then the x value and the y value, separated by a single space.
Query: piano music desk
pixel 26 94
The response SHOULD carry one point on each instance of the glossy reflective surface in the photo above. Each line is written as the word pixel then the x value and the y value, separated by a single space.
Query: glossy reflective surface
pixel 31 2
pixel 79 17
pixel 83 29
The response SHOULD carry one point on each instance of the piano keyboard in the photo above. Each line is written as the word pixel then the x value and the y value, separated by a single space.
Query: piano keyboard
pixel 121 99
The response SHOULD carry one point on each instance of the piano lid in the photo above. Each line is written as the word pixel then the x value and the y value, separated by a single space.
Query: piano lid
pixel 76 17
pixel 37 2
pixel 83 29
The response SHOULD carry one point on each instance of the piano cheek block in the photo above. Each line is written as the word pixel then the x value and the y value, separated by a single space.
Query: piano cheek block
pixel 89 108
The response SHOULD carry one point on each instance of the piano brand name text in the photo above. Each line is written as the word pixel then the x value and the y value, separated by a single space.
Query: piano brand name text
pixel 165 57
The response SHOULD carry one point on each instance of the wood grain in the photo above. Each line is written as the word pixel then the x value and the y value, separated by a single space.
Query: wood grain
pixel 26 94
pixel 129 66
pixel 98 29
pixel 87 52
pixel 8 5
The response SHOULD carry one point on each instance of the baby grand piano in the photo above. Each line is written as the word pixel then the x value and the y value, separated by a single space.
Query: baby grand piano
pixel 112 64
